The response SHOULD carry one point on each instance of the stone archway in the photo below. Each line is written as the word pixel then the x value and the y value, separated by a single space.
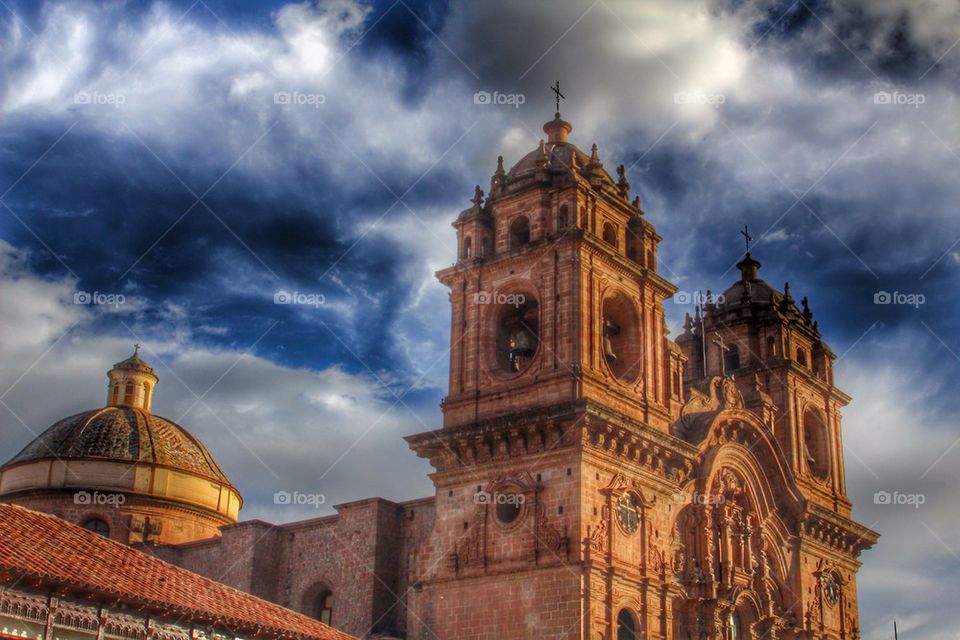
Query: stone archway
pixel 318 602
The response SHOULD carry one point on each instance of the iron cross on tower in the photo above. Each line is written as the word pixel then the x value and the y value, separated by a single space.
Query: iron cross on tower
pixel 747 238
pixel 556 90
pixel 723 348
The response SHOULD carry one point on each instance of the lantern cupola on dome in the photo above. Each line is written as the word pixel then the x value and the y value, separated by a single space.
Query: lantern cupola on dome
pixel 131 383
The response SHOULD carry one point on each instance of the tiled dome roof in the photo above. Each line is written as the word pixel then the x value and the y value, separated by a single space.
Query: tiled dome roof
pixel 123 433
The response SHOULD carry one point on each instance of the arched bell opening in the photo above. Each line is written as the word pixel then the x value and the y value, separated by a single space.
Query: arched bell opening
pixel 519 232
pixel 816 445
pixel 621 338
pixel 517 333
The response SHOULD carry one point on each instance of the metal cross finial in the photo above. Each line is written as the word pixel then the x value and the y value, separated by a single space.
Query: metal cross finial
pixel 747 238
pixel 556 89
pixel 136 348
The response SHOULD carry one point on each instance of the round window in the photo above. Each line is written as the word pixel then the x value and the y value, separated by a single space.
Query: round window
pixel 507 511
pixel 507 507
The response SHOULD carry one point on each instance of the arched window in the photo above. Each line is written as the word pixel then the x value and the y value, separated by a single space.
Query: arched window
pixel 519 232
pixel 97 526
pixel 627 626
pixel 128 391
pixel 733 626
pixel 610 234
pixel 467 252
pixel 116 394
pixel 731 358
pixel 771 347
pixel 802 356
pixel 324 606
pixel 563 218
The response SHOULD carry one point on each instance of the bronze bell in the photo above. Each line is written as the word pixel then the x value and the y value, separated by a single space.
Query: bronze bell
pixel 520 348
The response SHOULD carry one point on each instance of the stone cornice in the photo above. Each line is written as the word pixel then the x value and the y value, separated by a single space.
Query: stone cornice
pixel 837 532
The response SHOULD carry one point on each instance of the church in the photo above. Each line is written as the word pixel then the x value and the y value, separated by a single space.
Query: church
pixel 594 477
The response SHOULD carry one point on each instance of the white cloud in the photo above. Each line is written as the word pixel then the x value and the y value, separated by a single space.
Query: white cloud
pixel 271 427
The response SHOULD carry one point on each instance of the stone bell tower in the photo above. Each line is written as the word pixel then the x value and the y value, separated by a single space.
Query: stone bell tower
pixel 555 294
pixel 563 387
pixel 760 336
pixel 595 479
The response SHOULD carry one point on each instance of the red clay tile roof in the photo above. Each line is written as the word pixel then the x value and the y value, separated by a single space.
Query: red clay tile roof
pixel 58 553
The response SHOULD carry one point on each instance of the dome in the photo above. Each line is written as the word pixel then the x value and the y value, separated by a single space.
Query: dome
pixel 123 434
pixel 124 471
pixel 559 155
pixel 561 152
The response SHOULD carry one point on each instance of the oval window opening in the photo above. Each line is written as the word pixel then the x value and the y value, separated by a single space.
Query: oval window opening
pixel 507 508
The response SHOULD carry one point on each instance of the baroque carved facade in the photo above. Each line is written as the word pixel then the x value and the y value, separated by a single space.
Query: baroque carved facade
pixel 696 486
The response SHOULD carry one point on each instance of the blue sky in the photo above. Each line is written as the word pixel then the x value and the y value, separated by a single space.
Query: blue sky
pixel 197 158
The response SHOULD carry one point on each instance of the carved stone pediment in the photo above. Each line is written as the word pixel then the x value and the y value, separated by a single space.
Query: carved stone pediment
pixel 620 484
pixel 719 393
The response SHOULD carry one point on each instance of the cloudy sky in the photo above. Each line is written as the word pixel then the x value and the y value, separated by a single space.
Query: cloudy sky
pixel 166 169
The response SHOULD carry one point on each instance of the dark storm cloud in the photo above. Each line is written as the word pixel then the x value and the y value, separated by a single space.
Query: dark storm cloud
pixel 123 214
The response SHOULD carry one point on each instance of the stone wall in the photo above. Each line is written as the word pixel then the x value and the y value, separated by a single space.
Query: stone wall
pixel 361 555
